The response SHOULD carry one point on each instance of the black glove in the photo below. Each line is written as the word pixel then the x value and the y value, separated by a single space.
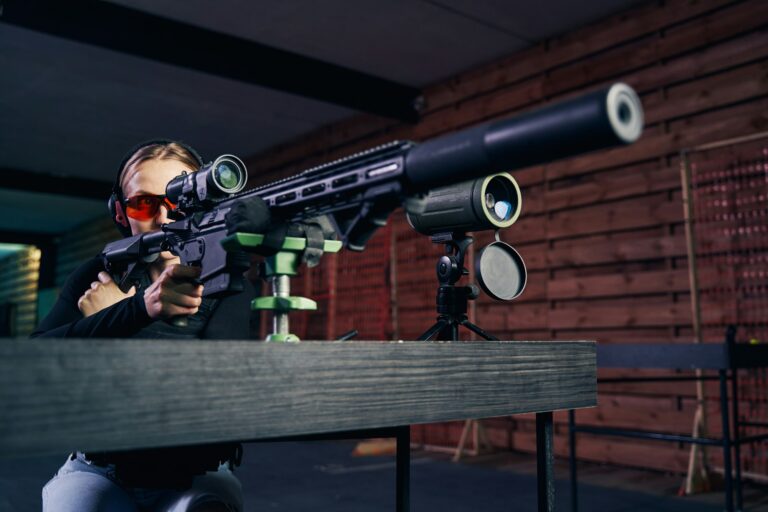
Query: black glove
pixel 249 215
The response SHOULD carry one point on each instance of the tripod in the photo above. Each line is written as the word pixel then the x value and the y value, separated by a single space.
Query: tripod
pixel 451 299
pixel 452 312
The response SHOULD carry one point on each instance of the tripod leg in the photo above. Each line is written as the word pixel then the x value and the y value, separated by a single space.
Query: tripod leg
pixel 430 333
pixel 472 327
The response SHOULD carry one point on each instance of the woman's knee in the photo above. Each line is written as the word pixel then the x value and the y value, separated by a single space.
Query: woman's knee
pixel 217 491
pixel 81 491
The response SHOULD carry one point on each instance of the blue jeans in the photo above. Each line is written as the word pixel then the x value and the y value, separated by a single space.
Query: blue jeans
pixel 80 486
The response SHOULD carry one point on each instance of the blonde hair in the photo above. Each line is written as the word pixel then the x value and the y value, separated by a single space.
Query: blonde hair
pixel 158 151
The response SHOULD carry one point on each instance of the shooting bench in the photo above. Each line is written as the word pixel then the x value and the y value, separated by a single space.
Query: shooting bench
pixel 724 358
pixel 95 395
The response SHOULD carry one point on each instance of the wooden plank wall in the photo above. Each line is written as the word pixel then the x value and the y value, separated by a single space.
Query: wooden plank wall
pixel 19 273
pixel 602 234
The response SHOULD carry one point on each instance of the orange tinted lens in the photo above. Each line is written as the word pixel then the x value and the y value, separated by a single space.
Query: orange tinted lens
pixel 143 207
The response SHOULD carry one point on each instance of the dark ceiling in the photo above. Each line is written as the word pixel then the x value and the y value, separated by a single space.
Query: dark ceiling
pixel 72 108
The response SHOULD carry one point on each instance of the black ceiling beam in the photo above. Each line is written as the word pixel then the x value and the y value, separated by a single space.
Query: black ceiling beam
pixel 57 184
pixel 153 37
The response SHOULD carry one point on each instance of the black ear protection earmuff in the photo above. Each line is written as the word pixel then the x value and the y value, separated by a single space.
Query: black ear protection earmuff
pixel 116 203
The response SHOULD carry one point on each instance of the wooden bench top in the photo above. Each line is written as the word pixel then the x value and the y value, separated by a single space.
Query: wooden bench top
pixel 65 394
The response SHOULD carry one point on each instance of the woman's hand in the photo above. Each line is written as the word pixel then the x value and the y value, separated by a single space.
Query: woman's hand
pixel 174 293
pixel 102 294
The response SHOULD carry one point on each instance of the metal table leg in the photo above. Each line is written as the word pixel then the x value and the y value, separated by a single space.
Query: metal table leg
pixel 730 338
pixel 572 460
pixel 736 438
pixel 403 469
pixel 544 462
pixel 725 418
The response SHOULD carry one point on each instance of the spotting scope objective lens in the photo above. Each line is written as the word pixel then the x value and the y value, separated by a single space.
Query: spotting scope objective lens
pixel 501 209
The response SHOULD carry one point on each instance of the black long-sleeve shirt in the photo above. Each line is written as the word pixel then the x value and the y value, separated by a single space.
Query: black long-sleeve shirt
pixel 226 318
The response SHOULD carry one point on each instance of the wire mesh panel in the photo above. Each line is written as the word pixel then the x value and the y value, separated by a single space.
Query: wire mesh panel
pixel 729 184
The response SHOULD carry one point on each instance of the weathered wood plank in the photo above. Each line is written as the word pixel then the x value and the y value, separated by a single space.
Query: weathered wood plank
pixel 626 214
pixel 512 316
pixel 601 249
pixel 60 395
pixel 638 179
pixel 623 314
pixel 706 61
pixel 725 88
pixel 628 283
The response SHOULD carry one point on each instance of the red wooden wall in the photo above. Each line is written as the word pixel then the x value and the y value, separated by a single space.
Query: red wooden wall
pixel 602 234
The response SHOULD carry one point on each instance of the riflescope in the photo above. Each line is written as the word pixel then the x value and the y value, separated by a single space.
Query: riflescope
pixel 492 202
pixel 214 181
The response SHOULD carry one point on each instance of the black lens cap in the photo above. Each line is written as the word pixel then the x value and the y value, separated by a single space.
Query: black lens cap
pixel 500 271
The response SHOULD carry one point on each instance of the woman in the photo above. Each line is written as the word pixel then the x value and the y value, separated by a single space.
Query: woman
pixel 195 478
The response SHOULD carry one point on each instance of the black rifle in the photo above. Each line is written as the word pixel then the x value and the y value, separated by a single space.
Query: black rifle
pixel 355 195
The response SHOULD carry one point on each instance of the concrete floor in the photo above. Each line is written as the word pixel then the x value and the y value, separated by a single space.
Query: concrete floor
pixel 323 475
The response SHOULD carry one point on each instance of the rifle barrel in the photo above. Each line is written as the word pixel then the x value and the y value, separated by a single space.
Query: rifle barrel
pixel 606 118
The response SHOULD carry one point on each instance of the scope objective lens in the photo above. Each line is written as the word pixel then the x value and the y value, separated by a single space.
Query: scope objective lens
pixel 226 176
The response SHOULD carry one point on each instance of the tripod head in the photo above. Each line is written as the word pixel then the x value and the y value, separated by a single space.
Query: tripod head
pixel 499 269
pixel 452 299
pixel 450 267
